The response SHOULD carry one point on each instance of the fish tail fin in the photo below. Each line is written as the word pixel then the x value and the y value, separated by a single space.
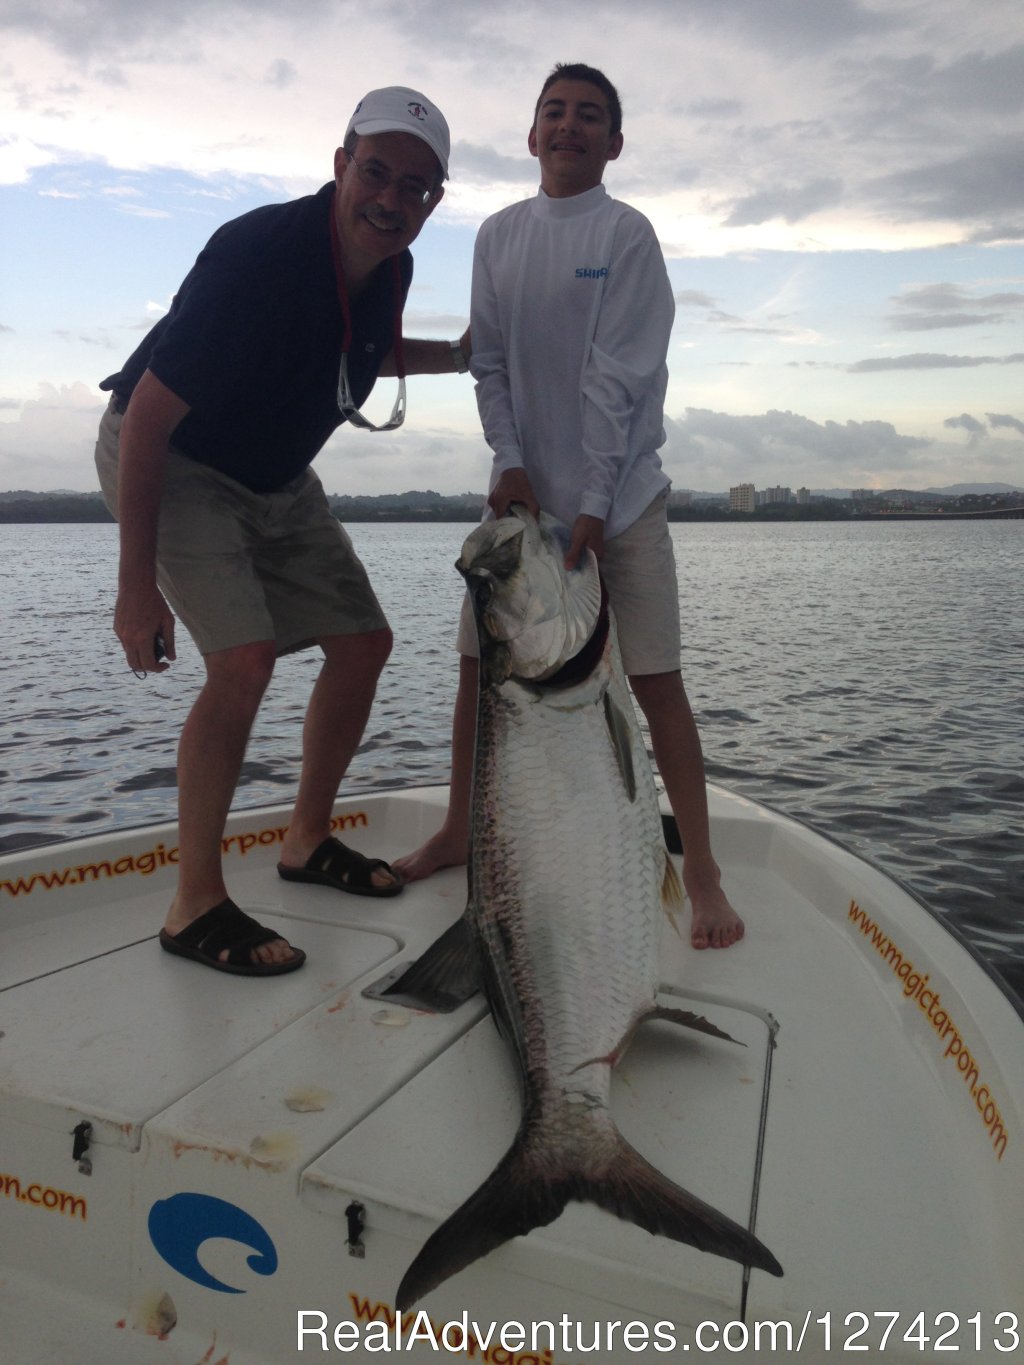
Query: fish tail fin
pixel 637 1192
pixel 512 1201
pixel 520 1195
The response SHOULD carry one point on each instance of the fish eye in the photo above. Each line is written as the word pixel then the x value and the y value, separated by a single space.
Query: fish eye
pixel 483 591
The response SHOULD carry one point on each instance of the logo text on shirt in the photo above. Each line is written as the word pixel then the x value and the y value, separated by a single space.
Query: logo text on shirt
pixel 586 272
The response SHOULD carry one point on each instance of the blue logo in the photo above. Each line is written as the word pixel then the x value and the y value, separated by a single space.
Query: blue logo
pixel 586 272
pixel 179 1226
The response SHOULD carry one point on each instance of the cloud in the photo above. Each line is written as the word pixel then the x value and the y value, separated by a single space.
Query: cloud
pixel 998 235
pixel 937 322
pixel 99 27
pixel 281 74
pixel 711 451
pixel 715 109
pixel 694 298
pixel 967 423
pixel 782 439
pixel 985 181
pixel 483 165
pixel 929 361
pixel 791 204
pixel 936 307
pixel 789 26
pixel 969 83
pixel 997 420
pixel 50 444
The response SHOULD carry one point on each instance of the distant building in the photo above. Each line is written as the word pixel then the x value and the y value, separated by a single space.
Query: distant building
pixel 862 494
pixel 803 496
pixel 774 495
pixel 680 497
pixel 742 498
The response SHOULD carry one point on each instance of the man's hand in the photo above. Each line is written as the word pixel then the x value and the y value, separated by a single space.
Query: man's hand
pixel 587 534
pixel 154 412
pixel 513 486
pixel 139 618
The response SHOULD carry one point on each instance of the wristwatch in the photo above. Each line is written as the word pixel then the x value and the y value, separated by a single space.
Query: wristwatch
pixel 459 357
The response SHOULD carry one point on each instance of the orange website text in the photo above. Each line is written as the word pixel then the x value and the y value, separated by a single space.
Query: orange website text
pixel 929 1002
pixel 43 1197
pixel 145 864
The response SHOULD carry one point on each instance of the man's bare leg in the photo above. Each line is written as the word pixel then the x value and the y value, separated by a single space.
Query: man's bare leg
pixel 449 847
pixel 680 760
pixel 210 755
pixel 336 718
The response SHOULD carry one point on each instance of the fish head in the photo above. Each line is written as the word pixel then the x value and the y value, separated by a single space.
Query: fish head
pixel 527 604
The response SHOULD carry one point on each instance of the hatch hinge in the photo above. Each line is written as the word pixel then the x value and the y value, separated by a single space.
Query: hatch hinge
pixel 355 1215
pixel 82 1134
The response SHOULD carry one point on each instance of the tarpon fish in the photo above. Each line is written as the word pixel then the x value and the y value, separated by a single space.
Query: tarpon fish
pixel 567 872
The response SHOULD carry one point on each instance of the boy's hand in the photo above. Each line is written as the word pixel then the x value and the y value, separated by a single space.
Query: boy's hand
pixel 513 486
pixel 587 534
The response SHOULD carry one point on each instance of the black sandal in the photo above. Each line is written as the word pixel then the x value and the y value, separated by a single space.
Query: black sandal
pixel 225 926
pixel 335 864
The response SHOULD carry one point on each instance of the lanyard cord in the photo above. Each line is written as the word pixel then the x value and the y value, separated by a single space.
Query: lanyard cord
pixel 396 298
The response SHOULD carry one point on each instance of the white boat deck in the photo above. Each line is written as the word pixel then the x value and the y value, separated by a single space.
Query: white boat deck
pixel 888 1174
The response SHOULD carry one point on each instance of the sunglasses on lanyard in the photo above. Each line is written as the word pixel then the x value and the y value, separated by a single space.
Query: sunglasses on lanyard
pixel 347 404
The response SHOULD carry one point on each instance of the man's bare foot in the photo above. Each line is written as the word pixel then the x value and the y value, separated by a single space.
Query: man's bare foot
pixel 441 850
pixel 715 923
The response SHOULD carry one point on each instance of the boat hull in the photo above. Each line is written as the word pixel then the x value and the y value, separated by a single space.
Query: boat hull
pixel 871 1132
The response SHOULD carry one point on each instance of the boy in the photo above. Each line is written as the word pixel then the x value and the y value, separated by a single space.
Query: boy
pixel 570 319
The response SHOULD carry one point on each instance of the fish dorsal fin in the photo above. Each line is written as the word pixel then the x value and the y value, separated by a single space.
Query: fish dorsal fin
pixel 620 735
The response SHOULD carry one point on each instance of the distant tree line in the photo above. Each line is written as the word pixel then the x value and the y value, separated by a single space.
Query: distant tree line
pixel 428 506
pixel 53 507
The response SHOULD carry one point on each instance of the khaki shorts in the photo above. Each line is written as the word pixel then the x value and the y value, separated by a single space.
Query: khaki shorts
pixel 238 567
pixel 639 572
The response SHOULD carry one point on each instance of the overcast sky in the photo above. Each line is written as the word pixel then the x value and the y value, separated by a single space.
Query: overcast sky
pixel 838 186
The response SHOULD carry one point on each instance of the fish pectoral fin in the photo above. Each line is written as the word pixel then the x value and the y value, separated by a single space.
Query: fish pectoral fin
pixel 443 977
pixel 688 1019
pixel 619 733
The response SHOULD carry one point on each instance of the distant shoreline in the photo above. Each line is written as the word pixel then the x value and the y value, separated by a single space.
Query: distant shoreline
pixel 89 508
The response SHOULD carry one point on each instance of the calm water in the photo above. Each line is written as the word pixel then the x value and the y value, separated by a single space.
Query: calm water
pixel 867 679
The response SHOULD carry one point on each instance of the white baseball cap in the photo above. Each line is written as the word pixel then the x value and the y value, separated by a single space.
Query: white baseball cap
pixel 396 109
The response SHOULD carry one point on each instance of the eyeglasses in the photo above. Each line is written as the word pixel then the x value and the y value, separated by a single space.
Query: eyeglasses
pixel 350 408
pixel 375 177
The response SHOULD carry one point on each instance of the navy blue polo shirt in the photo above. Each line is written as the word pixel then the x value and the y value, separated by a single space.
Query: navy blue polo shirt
pixel 252 343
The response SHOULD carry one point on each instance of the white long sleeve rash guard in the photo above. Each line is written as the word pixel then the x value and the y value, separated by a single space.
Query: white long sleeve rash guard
pixel 571 314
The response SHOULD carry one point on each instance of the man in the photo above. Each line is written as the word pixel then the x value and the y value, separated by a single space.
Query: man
pixel 276 336
pixel 571 315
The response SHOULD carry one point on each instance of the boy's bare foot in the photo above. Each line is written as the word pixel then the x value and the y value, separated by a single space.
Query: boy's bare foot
pixel 441 850
pixel 715 923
